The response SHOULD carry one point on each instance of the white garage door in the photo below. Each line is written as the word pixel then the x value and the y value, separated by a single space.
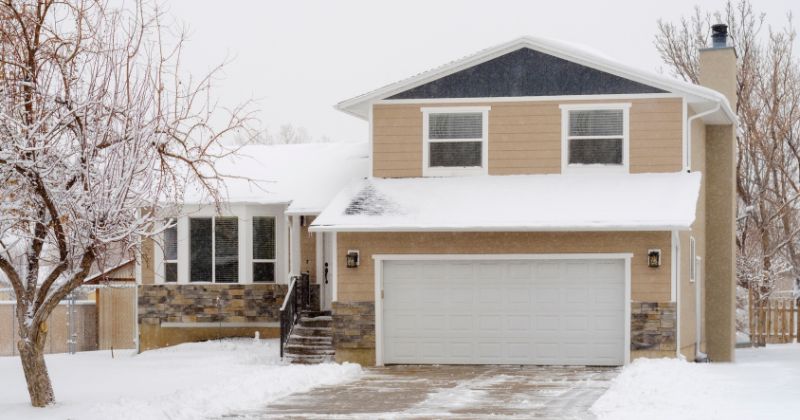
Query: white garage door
pixel 546 312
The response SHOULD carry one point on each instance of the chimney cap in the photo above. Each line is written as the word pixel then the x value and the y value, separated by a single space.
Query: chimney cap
pixel 719 35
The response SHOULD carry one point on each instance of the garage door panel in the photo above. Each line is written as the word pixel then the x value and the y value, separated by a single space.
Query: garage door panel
pixel 526 311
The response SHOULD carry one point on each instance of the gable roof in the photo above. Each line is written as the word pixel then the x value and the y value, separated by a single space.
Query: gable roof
pixel 523 73
pixel 702 98
pixel 652 201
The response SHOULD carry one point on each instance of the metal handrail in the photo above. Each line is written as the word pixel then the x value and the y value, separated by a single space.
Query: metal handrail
pixel 294 302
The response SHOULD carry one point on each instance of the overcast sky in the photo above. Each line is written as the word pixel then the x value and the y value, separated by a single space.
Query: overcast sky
pixel 299 58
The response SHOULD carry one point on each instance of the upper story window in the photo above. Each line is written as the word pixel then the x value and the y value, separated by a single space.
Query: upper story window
pixel 595 137
pixel 214 249
pixel 455 141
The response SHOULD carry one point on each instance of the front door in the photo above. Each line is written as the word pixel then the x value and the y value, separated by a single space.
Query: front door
pixel 326 279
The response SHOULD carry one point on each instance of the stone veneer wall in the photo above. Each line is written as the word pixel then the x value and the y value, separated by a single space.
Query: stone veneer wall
pixel 176 313
pixel 653 329
pixel 354 332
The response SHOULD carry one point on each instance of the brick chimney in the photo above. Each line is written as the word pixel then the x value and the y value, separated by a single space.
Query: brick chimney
pixel 718 64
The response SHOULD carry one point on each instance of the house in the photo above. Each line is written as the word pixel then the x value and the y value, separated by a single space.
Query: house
pixel 538 203
pixel 224 272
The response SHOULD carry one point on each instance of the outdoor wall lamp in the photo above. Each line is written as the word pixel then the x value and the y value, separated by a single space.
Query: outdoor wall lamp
pixel 352 258
pixel 654 258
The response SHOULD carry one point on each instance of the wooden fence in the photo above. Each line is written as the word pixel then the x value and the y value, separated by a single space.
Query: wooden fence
pixel 773 320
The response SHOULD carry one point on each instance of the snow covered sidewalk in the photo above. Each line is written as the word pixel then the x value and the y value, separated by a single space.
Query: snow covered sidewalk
pixel 762 384
pixel 188 381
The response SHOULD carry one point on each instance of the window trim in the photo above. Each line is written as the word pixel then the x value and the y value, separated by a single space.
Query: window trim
pixel 566 167
pixel 164 260
pixel 254 260
pixel 427 170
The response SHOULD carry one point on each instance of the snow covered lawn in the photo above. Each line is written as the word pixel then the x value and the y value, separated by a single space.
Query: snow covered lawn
pixel 188 381
pixel 762 384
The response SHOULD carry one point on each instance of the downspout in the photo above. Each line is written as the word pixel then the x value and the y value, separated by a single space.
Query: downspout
pixel 699 355
pixel 689 132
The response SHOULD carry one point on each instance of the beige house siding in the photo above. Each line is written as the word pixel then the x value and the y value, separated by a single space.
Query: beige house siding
pixel 525 137
pixel 648 284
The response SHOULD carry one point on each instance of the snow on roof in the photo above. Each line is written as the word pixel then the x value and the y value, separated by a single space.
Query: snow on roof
pixel 662 201
pixel 580 54
pixel 305 176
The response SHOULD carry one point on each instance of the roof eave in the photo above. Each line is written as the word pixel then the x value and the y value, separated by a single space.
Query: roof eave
pixel 587 228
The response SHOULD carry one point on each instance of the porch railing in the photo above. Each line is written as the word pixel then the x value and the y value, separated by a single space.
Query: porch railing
pixel 298 298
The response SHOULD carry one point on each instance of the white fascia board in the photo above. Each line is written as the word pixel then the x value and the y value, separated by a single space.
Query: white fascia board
pixel 303 212
pixel 701 93
pixel 610 228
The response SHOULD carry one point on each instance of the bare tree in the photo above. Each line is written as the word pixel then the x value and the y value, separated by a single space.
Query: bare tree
pixel 768 169
pixel 97 126
pixel 289 134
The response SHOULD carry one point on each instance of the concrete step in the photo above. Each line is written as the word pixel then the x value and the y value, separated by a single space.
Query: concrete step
pixel 305 331
pixel 319 321
pixel 314 341
pixel 304 349
pixel 313 314
pixel 309 360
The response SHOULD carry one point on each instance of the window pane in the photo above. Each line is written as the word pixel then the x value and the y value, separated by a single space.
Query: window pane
pixel 171 243
pixel 455 126
pixel 595 151
pixel 226 249
pixel 264 238
pixel 171 272
pixel 200 249
pixel 596 122
pixel 263 271
pixel 453 154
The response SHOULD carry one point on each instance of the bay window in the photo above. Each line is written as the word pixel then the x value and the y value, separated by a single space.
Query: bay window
pixel 214 249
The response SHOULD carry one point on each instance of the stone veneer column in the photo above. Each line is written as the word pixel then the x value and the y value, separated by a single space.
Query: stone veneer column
pixel 354 332
pixel 653 329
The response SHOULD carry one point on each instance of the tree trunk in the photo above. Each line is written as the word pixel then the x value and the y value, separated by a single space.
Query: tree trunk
pixel 31 352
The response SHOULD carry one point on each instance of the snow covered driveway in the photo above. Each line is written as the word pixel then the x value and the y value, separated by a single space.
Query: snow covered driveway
pixel 762 384
pixel 188 381
pixel 462 392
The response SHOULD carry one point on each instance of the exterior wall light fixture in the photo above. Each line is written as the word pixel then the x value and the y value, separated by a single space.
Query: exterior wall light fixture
pixel 654 258
pixel 352 258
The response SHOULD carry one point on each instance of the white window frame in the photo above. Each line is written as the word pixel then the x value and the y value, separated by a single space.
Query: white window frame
pixel 166 261
pixel 427 170
pixel 214 249
pixel 692 259
pixel 254 260
pixel 566 167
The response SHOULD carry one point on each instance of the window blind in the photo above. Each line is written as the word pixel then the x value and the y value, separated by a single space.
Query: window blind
pixel 466 125
pixel 200 256
pixel 226 249
pixel 596 122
